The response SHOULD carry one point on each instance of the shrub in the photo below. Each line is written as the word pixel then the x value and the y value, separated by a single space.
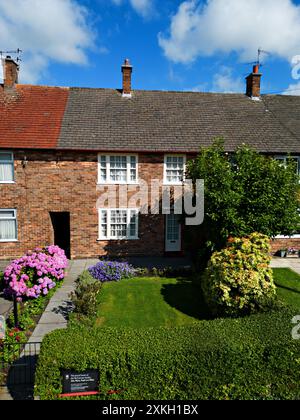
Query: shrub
pixel 166 272
pixel 107 271
pixel 249 358
pixel 36 273
pixel 85 297
pixel 239 280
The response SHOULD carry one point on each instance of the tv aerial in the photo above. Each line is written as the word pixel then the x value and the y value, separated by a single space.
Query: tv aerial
pixel 17 52
pixel 260 53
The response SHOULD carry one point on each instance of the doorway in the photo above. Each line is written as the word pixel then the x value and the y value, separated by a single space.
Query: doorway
pixel 62 231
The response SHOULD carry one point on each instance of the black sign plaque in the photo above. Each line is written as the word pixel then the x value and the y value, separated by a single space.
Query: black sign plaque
pixel 75 383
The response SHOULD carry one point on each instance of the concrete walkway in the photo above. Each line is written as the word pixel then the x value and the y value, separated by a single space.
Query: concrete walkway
pixel 56 314
pixel 292 263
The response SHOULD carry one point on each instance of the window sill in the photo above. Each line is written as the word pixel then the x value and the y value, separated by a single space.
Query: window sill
pixel 7 182
pixel 107 184
pixel 173 184
pixel 8 241
pixel 118 239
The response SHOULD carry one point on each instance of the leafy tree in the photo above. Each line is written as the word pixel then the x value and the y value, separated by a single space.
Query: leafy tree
pixel 244 193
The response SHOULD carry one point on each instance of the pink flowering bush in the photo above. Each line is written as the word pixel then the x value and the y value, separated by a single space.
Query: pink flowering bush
pixel 36 273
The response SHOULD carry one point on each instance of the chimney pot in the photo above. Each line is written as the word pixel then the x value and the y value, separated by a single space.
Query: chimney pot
pixel 127 73
pixel 253 83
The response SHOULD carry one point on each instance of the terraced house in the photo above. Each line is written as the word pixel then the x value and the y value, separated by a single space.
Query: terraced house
pixel 59 145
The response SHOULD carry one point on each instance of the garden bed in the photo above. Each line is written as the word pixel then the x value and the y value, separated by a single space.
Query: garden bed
pixel 32 280
pixel 152 338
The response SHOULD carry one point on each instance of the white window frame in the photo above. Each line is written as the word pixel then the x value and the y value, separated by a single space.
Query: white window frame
pixel 108 180
pixel 165 169
pixel 128 237
pixel 12 162
pixel 285 159
pixel 16 222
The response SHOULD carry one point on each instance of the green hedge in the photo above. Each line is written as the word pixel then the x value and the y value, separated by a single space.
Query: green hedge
pixel 249 358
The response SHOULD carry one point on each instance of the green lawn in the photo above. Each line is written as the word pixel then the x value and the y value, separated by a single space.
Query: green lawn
pixel 288 286
pixel 202 358
pixel 153 302
pixel 150 302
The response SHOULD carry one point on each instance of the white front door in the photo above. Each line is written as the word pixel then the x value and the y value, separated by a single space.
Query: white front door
pixel 173 233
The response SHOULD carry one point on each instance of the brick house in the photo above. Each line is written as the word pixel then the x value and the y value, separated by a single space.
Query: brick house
pixel 59 145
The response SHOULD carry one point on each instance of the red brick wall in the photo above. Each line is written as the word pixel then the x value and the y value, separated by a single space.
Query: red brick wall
pixel 66 182
pixel 56 182
pixel 278 244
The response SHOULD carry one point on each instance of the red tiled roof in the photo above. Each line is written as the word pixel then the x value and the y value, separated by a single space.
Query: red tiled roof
pixel 32 116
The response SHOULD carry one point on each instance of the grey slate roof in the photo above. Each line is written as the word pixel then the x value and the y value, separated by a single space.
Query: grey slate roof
pixel 158 121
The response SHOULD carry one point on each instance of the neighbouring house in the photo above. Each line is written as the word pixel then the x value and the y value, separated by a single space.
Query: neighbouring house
pixel 60 148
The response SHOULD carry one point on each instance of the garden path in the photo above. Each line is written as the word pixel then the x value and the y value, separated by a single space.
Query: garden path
pixel 292 263
pixel 56 314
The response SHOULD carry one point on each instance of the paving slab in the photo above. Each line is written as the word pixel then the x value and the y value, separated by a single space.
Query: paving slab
pixel 64 306
pixel 5 394
pixel 5 307
pixel 53 317
pixel 44 329
pixel 291 263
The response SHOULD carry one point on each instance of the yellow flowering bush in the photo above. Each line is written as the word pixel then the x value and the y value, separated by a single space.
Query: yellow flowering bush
pixel 239 280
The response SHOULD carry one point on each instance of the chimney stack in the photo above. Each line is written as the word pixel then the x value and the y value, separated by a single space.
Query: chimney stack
pixel 127 72
pixel 253 83
pixel 10 73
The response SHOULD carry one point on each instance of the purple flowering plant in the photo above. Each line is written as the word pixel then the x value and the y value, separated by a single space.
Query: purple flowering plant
pixel 109 271
pixel 36 273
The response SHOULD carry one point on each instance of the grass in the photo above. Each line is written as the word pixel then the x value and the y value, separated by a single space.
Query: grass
pixel 288 286
pixel 151 302
pixel 164 302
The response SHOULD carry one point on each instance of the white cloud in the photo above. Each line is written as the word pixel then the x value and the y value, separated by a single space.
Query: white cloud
pixel 144 8
pixel 223 26
pixel 45 30
pixel 223 82
pixel 293 90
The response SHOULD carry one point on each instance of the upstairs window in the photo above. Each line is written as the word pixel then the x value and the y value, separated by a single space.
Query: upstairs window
pixel 118 169
pixel 8 225
pixel 174 169
pixel 6 167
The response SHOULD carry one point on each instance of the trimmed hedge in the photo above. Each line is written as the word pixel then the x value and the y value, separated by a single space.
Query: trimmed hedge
pixel 249 358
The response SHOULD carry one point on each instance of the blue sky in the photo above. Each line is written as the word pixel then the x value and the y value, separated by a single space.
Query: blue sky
pixel 172 44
